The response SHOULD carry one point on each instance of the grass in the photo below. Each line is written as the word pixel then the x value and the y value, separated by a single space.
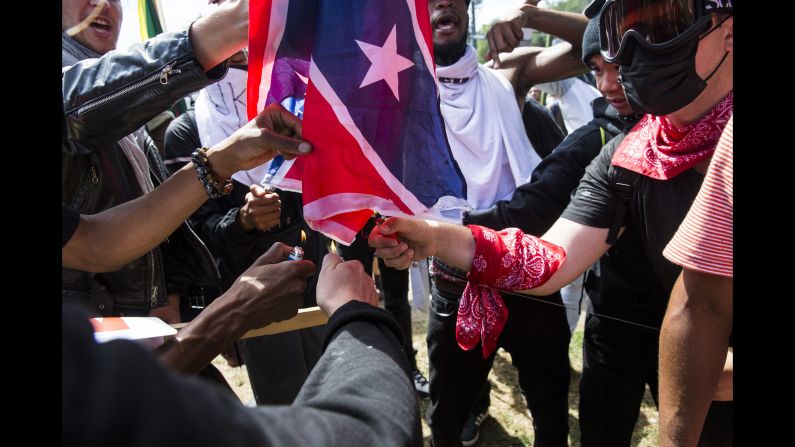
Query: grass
pixel 509 423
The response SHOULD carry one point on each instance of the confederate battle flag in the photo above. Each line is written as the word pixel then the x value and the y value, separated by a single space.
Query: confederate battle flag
pixel 364 71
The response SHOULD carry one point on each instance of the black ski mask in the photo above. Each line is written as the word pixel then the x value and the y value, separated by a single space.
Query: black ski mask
pixel 660 82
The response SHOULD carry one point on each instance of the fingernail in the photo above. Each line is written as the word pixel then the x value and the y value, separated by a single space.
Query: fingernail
pixel 304 148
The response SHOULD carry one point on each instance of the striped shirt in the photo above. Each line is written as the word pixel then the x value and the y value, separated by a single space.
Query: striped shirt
pixel 704 240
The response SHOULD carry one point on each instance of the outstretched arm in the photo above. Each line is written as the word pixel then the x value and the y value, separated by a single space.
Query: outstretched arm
pixel 112 238
pixel 268 291
pixel 454 245
pixel 527 66
pixel 359 392
pixel 506 34
pixel 217 36
pixel 184 61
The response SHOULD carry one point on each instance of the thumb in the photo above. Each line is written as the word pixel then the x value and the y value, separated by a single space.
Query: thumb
pixel 496 59
pixel 284 144
pixel 257 190
pixel 277 253
pixel 331 261
pixel 394 225
pixel 303 268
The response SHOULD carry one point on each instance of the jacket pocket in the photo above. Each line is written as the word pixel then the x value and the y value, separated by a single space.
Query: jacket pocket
pixel 88 178
pixel 443 307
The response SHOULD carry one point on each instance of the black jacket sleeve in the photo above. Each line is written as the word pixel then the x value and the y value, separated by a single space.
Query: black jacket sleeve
pixel 187 262
pixel 216 220
pixel 541 128
pixel 116 393
pixel 536 205
pixel 216 223
pixel 359 393
pixel 107 98
pixel 180 140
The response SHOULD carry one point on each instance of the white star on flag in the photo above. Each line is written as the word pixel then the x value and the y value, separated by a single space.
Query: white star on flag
pixel 385 63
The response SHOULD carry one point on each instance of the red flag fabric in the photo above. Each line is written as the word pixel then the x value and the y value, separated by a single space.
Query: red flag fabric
pixel 361 74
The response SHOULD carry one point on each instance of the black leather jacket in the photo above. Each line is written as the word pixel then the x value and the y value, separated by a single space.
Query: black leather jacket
pixel 104 100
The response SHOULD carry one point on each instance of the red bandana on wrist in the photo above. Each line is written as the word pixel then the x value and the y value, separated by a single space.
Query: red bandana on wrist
pixel 656 149
pixel 505 260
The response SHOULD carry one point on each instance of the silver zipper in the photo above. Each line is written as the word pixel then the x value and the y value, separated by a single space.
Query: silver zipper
pixel 90 176
pixel 168 70
pixel 162 76
pixel 153 287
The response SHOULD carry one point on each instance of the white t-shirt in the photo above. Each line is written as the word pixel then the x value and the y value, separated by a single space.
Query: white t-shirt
pixel 574 97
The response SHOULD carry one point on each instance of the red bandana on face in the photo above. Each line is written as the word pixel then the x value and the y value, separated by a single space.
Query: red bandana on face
pixel 656 149
pixel 505 260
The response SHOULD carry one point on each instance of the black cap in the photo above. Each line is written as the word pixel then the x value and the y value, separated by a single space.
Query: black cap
pixel 590 40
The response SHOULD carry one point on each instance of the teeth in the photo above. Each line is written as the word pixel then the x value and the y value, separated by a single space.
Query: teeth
pixel 102 22
pixel 444 21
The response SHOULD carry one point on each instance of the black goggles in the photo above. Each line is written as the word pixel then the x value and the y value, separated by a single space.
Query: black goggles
pixel 653 24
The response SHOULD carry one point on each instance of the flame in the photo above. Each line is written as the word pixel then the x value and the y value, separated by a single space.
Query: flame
pixel 303 237
pixel 333 248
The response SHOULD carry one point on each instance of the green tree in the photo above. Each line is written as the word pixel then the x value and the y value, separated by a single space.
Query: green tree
pixel 482 45
pixel 577 6
pixel 539 39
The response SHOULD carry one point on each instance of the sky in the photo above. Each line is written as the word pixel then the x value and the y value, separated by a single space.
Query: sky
pixel 178 14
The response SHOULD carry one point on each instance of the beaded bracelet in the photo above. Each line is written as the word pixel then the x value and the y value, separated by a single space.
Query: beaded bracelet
pixel 203 170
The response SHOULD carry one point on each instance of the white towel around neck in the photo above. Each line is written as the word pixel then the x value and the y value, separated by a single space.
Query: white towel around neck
pixel 485 130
